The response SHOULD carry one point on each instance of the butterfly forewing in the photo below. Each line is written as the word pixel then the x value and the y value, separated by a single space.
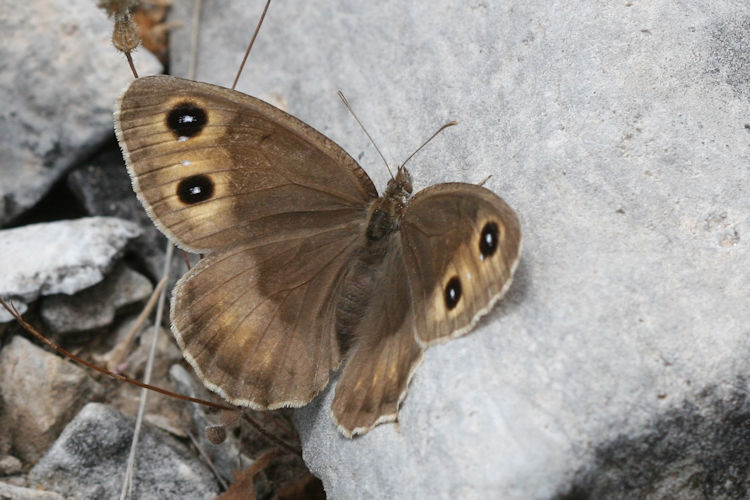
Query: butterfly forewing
pixel 214 166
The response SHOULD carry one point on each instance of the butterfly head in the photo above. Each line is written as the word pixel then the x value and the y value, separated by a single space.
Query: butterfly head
pixel 399 187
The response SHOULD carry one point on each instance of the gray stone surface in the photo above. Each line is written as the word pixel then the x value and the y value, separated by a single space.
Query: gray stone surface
pixel 243 444
pixel 12 492
pixel 166 349
pixel 88 461
pixel 59 78
pixel 227 457
pixel 95 307
pixel 10 465
pixel 620 132
pixel 58 257
pixel 41 392
pixel 132 357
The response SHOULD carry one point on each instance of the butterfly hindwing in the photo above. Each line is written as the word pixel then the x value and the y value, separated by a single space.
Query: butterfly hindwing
pixel 452 257
pixel 256 320
pixel 378 368
pixel 461 246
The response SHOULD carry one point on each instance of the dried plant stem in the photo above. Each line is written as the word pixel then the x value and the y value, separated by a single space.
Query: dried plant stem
pixel 194 41
pixel 127 483
pixel 130 62
pixel 186 258
pixel 165 276
pixel 275 440
pixel 33 331
pixel 207 459
pixel 250 46
pixel 117 355
pixel 243 485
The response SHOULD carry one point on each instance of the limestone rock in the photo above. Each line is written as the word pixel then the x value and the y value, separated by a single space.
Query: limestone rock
pixel 95 307
pixel 41 392
pixel 619 132
pixel 59 78
pixel 10 465
pixel 18 493
pixel 58 257
pixel 89 459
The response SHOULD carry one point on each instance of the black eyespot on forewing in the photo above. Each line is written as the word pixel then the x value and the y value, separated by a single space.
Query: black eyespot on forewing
pixel 488 240
pixel 195 189
pixel 186 120
pixel 452 292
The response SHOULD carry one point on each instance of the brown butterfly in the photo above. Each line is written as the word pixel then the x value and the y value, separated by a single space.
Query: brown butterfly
pixel 306 266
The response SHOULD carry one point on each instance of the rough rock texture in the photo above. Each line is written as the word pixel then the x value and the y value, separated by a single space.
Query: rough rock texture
pixel 41 392
pixel 10 491
pixel 95 306
pixel 58 257
pixel 167 351
pixel 243 446
pixel 103 188
pixel 56 106
pixel 10 465
pixel 620 132
pixel 225 456
pixel 88 461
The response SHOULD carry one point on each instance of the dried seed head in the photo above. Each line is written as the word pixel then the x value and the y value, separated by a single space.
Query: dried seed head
pixel 216 434
pixel 116 7
pixel 125 34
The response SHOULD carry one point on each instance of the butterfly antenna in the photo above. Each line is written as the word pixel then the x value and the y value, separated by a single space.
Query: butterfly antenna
pixel 449 124
pixel 348 106
pixel 252 42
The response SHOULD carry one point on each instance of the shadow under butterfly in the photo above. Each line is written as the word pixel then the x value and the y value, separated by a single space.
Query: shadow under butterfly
pixel 306 266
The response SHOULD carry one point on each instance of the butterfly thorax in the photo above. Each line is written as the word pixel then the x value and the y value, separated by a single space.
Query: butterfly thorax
pixel 387 210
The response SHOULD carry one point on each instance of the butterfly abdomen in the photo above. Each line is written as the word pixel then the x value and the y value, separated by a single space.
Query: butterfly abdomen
pixel 361 281
pixel 365 272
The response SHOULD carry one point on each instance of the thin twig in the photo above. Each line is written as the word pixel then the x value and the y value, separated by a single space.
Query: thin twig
pixel 186 258
pixel 244 480
pixel 117 355
pixel 485 180
pixel 276 440
pixel 207 459
pixel 252 41
pixel 194 41
pixel 33 331
pixel 130 471
pixel 130 62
